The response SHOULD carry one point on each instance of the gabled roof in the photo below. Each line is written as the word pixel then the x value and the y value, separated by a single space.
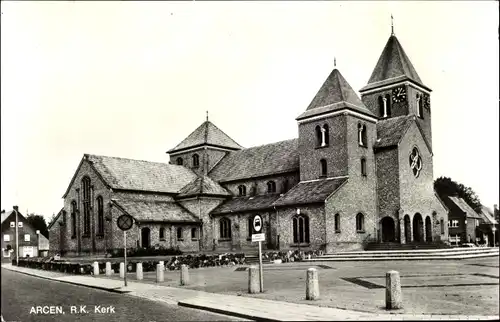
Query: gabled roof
pixel 202 185
pixel 207 134
pixel 488 216
pixel 308 192
pixel 392 130
pixel 464 207
pixel 249 203
pixel 335 94
pixel 157 211
pixel 269 159
pixel 393 66
pixel 6 215
pixel 54 220
pixel 128 174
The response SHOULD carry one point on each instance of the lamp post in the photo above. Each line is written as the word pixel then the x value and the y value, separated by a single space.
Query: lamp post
pixel 494 229
pixel 17 237
pixel 37 243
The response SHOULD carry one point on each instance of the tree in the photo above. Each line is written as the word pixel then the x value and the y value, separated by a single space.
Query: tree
pixel 446 186
pixel 38 223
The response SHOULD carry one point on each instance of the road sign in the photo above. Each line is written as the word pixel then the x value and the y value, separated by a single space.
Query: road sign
pixel 258 237
pixel 257 224
pixel 125 222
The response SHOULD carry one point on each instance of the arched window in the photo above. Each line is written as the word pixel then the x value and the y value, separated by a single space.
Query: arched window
pixel 73 219
pixel 323 166
pixel 162 233
pixel 363 167
pixel 318 136
pixel 194 233
pixel 442 226
pixel 225 228
pixel 196 160
pixel 420 110
pixel 100 216
pixel 360 222
pixel 271 187
pixel 300 229
pixel 337 223
pixel 362 135
pixel 326 132
pixel 86 205
pixel 381 109
pixel 179 233
pixel 242 190
pixel 388 105
pixel 179 161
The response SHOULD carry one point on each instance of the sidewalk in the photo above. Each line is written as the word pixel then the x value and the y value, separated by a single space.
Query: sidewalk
pixel 239 306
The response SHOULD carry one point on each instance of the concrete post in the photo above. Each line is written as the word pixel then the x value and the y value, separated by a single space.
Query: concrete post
pixel 312 284
pixel 393 295
pixel 138 271
pixel 122 270
pixel 184 275
pixel 96 268
pixel 162 263
pixel 159 273
pixel 108 269
pixel 253 280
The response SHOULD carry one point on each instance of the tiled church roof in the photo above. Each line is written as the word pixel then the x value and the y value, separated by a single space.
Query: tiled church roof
pixel 202 185
pixel 240 204
pixel 128 174
pixel 310 192
pixel 390 131
pixel 147 210
pixel 258 161
pixel 207 133
pixel 393 66
pixel 335 94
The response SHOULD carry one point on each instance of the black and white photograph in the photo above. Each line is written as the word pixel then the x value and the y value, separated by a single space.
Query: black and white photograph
pixel 249 160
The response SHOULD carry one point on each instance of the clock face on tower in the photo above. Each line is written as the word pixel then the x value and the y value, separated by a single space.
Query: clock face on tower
pixel 399 94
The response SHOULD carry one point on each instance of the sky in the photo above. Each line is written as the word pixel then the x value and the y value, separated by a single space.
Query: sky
pixel 133 79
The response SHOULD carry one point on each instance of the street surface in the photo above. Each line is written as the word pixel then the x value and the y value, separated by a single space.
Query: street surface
pixel 28 298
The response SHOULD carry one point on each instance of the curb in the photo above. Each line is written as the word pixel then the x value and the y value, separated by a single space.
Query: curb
pixel 102 288
pixel 224 312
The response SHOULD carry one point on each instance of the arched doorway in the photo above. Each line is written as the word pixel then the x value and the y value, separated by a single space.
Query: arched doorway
pixel 418 228
pixel 388 229
pixel 145 234
pixel 428 229
pixel 407 229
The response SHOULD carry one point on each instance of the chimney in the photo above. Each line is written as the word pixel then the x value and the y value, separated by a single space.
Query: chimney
pixel 16 208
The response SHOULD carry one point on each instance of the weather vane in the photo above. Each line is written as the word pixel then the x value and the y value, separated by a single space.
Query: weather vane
pixel 392 25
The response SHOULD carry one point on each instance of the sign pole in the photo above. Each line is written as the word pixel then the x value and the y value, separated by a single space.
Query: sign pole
pixel 125 255
pixel 260 268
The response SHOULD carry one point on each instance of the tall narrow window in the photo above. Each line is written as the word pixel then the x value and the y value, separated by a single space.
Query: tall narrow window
pixel 225 228
pixel 362 135
pixel 73 219
pixel 360 222
pixel 388 105
pixel 179 161
pixel 242 190
pixel 86 205
pixel 162 233
pixel 363 167
pixel 442 226
pixel 194 233
pixel 326 135
pixel 249 226
pixel 381 109
pixel 179 233
pixel 323 166
pixel 271 187
pixel 420 111
pixel 100 216
pixel 318 135
pixel 337 223
pixel 300 227
pixel 196 160
pixel 64 217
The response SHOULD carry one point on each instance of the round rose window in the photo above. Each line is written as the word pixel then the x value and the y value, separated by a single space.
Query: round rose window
pixel 415 162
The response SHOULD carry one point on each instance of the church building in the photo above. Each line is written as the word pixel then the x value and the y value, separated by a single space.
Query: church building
pixel 361 170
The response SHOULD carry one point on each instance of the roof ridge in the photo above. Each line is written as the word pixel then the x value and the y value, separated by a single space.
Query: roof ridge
pixel 122 158
pixel 266 144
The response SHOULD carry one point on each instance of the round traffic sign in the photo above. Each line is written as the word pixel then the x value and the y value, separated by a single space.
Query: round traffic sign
pixel 125 222
pixel 257 223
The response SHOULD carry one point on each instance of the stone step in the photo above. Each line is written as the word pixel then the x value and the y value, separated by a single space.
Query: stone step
pixel 408 254
pixel 446 250
pixel 404 257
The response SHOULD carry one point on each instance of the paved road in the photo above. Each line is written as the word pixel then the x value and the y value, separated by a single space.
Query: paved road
pixel 22 294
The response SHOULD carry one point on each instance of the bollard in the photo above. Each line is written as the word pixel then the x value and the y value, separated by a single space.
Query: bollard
pixel 253 280
pixel 312 285
pixel 184 275
pixel 162 263
pixel 159 273
pixel 96 268
pixel 108 269
pixel 122 270
pixel 138 271
pixel 393 295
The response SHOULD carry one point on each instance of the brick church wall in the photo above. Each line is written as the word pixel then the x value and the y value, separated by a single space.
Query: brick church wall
pixel 316 216
pixel 387 165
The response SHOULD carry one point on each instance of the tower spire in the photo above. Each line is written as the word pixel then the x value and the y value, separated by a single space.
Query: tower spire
pixel 392 25
pixel 207 116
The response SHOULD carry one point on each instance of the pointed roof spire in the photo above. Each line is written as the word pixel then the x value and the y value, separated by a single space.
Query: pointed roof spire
pixel 335 62
pixel 392 25
pixel 207 116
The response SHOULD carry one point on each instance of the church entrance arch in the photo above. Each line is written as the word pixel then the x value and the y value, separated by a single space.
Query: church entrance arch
pixel 145 237
pixel 428 229
pixel 388 230
pixel 418 228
